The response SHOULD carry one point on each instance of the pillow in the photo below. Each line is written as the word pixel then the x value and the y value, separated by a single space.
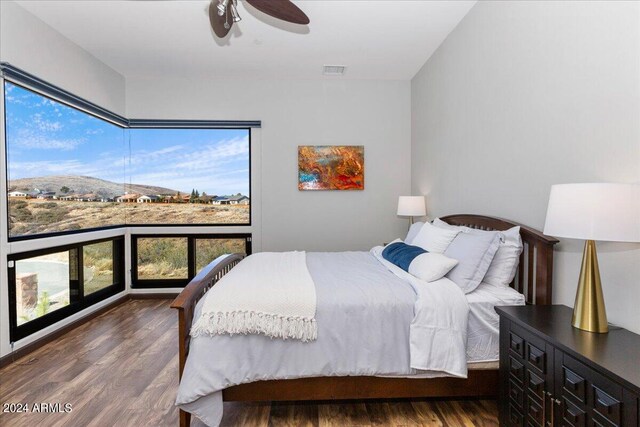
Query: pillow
pixel 413 231
pixel 401 254
pixel 474 251
pixel 505 262
pixel 431 267
pixel 434 239
pixel 417 261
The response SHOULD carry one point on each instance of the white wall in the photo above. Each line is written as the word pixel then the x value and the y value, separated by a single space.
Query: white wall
pixel 375 114
pixel 28 43
pixel 523 95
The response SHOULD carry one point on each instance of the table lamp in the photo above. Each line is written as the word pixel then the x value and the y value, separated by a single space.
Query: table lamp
pixel 411 206
pixel 606 212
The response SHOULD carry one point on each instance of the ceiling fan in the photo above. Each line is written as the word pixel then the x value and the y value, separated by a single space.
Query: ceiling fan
pixel 224 13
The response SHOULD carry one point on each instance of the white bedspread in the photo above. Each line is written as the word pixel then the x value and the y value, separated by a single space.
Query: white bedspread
pixel 268 293
pixel 438 331
pixel 365 317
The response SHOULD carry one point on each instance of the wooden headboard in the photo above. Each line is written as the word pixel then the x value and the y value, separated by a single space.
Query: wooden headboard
pixel 534 276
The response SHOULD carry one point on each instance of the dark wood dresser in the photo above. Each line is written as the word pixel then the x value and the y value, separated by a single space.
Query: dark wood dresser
pixel 552 374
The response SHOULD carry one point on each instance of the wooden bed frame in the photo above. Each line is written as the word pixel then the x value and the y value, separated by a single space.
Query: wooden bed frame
pixel 533 280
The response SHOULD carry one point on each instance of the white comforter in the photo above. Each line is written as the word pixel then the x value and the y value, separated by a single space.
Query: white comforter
pixel 370 322
pixel 438 332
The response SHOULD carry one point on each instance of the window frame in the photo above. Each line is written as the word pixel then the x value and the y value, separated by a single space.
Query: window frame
pixel 6 150
pixel 137 283
pixel 25 246
pixel 191 124
pixel 27 81
pixel 78 301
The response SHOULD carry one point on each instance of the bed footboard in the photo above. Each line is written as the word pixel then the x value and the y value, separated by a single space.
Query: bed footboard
pixel 186 302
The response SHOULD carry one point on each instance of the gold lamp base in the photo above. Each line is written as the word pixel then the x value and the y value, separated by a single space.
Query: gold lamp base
pixel 589 313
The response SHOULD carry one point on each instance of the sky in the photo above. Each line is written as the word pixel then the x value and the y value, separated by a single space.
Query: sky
pixel 45 137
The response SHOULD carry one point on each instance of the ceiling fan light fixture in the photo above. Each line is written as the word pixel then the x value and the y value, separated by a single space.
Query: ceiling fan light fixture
pixel 234 13
pixel 334 70
pixel 222 7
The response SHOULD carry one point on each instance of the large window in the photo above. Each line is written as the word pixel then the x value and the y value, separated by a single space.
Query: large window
pixel 50 284
pixel 64 167
pixel 188 176
pixel 71 171
pixel 172 261
pixel 75 167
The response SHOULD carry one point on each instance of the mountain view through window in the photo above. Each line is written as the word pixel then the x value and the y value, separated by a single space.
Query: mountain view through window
pixel 69 170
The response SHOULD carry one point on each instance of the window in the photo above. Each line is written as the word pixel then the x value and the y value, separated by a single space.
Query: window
pixel 97 264
pixel 64 166
pixel 209 249
pixel 48 285
pixel 70 171
pixel 162 258
pixel 172 261
pixel 74 167
pixel 188 176
pixel 43 285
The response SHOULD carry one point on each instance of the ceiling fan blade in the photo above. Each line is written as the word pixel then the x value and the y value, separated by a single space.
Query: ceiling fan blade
pixel 281 9
pixel 218 22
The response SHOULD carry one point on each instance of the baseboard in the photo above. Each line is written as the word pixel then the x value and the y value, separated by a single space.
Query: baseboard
pixel 156 295
pixel 23 351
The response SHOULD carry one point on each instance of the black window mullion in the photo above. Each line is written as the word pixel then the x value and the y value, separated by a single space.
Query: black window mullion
pixel 248 245
pixel 13 309
pixel 191 254
pixel 77 286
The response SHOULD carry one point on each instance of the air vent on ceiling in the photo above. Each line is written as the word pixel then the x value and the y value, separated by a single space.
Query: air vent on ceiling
pixel 333 70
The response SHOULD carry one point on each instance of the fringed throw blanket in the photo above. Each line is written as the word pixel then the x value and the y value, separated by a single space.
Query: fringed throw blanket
pixel 268 293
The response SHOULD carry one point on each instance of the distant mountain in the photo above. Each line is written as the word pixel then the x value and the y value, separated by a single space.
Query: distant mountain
pixel 84 185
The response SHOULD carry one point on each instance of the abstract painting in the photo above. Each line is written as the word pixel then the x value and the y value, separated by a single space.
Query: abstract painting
pixel 331 167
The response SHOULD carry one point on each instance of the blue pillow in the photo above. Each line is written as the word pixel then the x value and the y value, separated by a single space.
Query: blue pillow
pixel 401 254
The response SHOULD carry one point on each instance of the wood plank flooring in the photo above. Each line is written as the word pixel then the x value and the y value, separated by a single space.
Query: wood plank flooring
pixel 121 369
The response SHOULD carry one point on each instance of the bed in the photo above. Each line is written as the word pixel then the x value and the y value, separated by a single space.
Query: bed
pixel 349 379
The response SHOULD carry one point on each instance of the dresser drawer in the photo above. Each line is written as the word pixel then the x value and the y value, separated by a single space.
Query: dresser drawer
pixel 516 394
pixel 572 414
pixel 535 385
pixel 516 343
pixel 516 370
pixel 534 411
pixel 515 416
pixel 537 358
pixel 574 384
pixel 591 389
pixel 606 406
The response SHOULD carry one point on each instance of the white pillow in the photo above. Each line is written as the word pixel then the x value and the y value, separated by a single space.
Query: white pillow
pixel 505 262
pixel 474 252
pixel 434 239
pixel 431 267
pixel 413 231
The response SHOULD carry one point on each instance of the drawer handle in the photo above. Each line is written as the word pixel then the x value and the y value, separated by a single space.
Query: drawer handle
pixel 604 401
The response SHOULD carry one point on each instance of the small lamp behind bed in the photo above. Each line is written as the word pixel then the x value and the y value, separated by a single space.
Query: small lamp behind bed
pixel 609 212
pixel 411 206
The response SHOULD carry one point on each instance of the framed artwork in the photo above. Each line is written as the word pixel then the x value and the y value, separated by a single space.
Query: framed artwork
pixel 331 167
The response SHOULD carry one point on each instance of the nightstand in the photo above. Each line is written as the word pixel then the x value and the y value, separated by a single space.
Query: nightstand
pixel 552 374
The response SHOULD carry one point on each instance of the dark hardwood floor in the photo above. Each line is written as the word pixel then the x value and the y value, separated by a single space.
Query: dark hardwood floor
pixel 121 369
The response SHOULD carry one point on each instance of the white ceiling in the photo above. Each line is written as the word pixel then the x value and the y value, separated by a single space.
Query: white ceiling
pixel 374 39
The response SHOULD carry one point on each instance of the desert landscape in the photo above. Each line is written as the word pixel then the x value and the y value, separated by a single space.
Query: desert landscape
pixel 67 202
pixel 35 216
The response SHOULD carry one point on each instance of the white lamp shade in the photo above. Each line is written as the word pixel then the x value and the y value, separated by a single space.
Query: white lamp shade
pixel 609 212
pixel 411 206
